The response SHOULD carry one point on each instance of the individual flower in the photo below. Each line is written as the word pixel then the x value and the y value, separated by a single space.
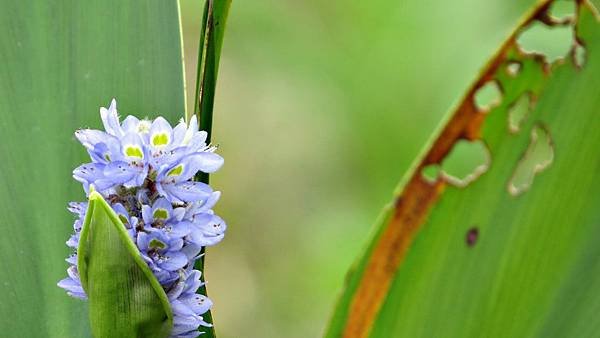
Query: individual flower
pixel 145 169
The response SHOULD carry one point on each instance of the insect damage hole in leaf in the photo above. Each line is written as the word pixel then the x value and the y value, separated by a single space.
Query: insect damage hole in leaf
pixel 579 55
pixel 538 156
pixel 513 68
pixel 431 173
pixel 488 96
pixel 518 111
pixel 466 162
pixel 553 42
pixel 562 11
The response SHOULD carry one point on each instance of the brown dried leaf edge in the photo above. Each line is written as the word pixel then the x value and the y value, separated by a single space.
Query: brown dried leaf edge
pixel 417 195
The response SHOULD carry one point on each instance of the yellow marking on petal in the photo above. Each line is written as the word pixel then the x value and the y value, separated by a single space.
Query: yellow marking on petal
pixel 160 214
pixel 134 152
pixel 176 171
pixel 156 244
pixel 160 139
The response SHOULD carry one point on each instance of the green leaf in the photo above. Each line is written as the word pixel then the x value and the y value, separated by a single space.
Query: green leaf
pixel 212 30
pixel 513 253
pixel 61 60
pixel 209 54
pixel 126 300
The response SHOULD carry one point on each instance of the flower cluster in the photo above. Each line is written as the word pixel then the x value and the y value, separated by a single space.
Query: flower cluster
pixel 144 169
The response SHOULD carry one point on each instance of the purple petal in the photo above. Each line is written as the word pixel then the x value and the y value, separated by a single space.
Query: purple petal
pixel 73 241
pixel 198 303
pixel 72 259
pixel 132 148
pixel 120 172
pixel 110 119
pixel 187 191
pixel 90 137
pixel 161 134
pixel 164 206
pixel 180 309
pixel 73 287
pixel 147 215
pixel 143 241
pixel 174 261
pixel 179 132
pixel 204 161
pixel 178 229
pixel 191 250
pixel 78 208
pixel 130 124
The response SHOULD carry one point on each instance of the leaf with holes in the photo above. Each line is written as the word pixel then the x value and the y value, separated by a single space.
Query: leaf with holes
pixel 495 230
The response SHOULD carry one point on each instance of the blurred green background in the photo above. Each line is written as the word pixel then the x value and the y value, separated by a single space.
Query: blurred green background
pixel 321 108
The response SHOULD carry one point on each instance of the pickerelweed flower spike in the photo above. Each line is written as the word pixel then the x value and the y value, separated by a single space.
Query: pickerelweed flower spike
pixel 144 169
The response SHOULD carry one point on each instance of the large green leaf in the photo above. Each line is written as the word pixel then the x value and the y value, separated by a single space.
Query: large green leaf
pixel 126 300
pixel 515 252
pixel 60 61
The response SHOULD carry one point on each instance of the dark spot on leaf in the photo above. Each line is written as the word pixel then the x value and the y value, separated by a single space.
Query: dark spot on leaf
pixel 472 236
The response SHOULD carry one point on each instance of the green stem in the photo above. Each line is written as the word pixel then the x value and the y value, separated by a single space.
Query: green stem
pixel 209 50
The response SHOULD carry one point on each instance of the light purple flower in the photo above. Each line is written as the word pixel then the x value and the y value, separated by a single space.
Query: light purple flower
pixel 208 230
pixel 174 181
pixel 145 170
